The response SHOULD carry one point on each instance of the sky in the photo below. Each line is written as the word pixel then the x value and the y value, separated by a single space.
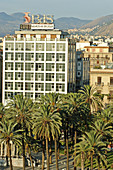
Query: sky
pixel 83 9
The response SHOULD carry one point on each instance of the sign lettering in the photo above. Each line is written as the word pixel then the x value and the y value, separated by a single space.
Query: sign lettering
pixel 38 18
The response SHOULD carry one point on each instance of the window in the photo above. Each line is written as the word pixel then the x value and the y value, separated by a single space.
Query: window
pixel 111 93
pixel 19 75
pixel 53 36
pixel 97 61
pixel 111 80
pixel 97 56
pixel 99 80
pixel 78 73
pixel 99 91
pixel 43 36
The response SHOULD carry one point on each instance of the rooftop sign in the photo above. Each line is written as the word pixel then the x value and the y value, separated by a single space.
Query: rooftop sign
pixel 42 26
pixel 38 19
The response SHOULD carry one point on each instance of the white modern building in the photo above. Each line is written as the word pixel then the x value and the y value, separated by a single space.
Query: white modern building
pixel 39 59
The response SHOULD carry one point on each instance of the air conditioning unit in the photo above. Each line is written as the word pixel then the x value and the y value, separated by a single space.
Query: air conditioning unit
pixel 9 56
pixel 32 57
pixel 32 87
pixel 19 57
pixel 9 86
pixel 60 78
pixel 53 58
pixel 32 77
pixel 32 67
pixel 52 68
pixel 31 96
pixel 9 76
pixel 19 66
pixel 39 77
pixel 19 77
pixel 39 87
pixel 19 86
pixel 60 47
pixel 53 48
pixel 39 67
pixel 52 88
pixel 19 46
pixel 9 66
pixel 8 95
pixel 40 47
pixel 60 88
pixel 60 58
pixel 52 78
pixel 60 67
pixel 39 58
pixel 9 46
pixel 32 47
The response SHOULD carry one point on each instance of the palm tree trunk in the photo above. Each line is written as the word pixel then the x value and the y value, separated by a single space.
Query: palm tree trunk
pixel 47 153
pixel 82 161
pixel 67 148
pixel 43 154
pixel 58 149
pixel 98 163
pixel 71 132
pixel 65 141
pixel 31 159
pixel 91 161
pixel 58 143
pixel 56 155
pixel 75 149
pixel 23 152
pixel 50 151
pixel 9 154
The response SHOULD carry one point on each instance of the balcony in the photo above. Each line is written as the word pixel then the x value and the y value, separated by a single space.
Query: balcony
pixel 99 84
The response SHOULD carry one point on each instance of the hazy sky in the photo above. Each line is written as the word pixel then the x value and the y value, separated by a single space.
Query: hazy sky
pixel 83 9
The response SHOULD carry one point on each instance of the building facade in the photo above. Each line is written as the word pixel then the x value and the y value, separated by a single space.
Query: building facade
pixel 101 70
pixel 38 60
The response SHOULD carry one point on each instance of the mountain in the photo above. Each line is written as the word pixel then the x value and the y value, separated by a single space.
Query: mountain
pixel 10 23
pixel 69 23
pixel 101 26
pixel 105 20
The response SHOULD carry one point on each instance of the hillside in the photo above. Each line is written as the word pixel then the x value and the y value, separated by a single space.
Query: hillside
pixel 101 26
pixel 105 20
pixel 69 23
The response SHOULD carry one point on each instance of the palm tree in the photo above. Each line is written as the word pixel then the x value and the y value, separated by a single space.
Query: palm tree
pixel 46 121
pixel 90 96
pixel 2 111
pixel 74 104
pixel 103 128
pixel 20 110
pixel 80 153
pixel 9 133
pixel 95 147
pixel 54 101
